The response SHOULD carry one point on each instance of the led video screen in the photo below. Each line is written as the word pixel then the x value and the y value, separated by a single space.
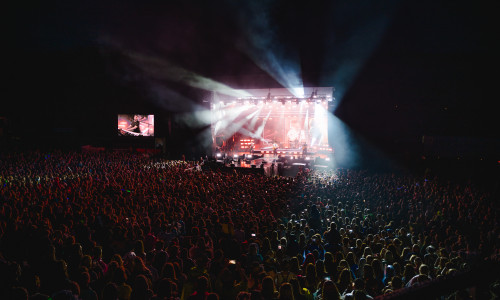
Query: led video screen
pixel 136 125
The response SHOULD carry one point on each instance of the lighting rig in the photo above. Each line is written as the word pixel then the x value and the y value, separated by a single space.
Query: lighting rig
pixel 313 98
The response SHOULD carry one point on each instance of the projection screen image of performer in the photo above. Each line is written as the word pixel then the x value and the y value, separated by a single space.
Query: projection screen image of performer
pixel 136 125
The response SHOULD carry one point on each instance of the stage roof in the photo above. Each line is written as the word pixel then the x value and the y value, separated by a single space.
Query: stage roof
pixel 325 93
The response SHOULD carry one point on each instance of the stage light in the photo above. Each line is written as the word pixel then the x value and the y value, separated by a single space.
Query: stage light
pixel 236 156
pixel 327 159
pixel 218 155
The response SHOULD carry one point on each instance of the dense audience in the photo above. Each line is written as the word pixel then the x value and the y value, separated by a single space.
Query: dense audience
pixel 124 226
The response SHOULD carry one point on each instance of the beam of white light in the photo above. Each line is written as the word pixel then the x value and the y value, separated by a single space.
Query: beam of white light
pixel 282 64
pixel 252 115
pixel 298 91
pixel 260 130
pixel 254 120
pixel 176 102
pixel 225 121
pixel 305 125
pixel 198 118
pixel 164 97
pixel 320 131
pixel 347 152
pixel 219 118
pixel 231 127
pixel 163 69
pixel 258 133
pixel 347 57
pixel 351 150
pixel 239 126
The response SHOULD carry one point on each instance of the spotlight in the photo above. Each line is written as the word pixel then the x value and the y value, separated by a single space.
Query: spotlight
pixel 218 155
pixel 236 156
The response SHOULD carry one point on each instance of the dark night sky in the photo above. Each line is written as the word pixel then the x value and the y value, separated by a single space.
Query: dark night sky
pixel 429 69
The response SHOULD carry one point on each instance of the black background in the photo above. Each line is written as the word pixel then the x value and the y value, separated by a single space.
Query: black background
pixel 431 71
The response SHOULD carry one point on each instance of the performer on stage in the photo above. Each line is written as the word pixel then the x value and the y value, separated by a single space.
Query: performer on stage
pixel 295 134
pixel 251 148
pixel 275 148
pixel 304 149
pixel 134 125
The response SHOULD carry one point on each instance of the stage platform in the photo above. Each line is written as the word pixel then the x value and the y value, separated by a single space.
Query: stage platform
pixel 286 162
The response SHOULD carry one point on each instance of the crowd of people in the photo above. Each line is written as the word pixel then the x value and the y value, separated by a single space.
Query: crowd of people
pixel 127 226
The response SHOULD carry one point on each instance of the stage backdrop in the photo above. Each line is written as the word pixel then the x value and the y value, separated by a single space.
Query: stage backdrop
pixel 270 117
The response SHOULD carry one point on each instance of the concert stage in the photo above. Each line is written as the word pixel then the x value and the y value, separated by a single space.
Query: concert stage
pixel 273 123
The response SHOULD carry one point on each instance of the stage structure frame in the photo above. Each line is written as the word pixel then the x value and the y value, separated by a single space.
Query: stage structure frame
pixel 272 121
